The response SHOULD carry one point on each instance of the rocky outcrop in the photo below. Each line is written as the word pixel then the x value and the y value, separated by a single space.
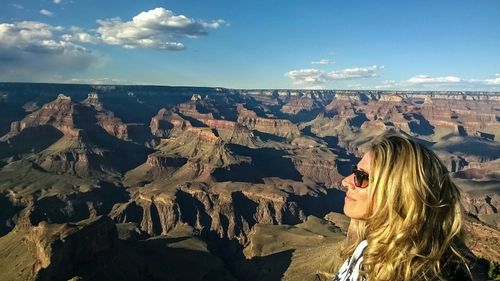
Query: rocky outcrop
pixel 481 204
pixel 189 109
pixel 473 117
pixel 195 97
pixel 278 127
pixel 106 119
pixel 488 170
pixel 8 214
pixel 191 154
pixel 391 98
pixel 59 249
pixel 157 165
pixel 68 117
pixel 199 144
pixel 229 131
pixel 58 114
pixel 160 161
pixel 79 139
pixel 93 101
pixel 341 107
pixel 112 126
pixel 452 162
pixel 291 252
pixel 319 171
pixel 225 213
pixel 221 124
pixel 79 155
pixel 91 250
pixel 375 125
pixel 165 121
pixel 238 134
pixel 483 240
pixel 195 170
pixel 347 97
pixel 297 105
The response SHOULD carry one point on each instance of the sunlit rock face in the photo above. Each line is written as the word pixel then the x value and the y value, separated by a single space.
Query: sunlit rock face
pixel 225 169
pixel 230 213
pixel 279 127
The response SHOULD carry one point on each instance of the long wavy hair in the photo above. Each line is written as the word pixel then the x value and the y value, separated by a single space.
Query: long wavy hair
pixel 415 222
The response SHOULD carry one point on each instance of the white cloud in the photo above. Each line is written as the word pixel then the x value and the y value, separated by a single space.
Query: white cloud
pixel 355 73
pixel 57 1
pixel 308 76
pixel 323 62
pixel 18 6
pixel 34 51
pixel 493 81
pixel 80 37
pixel 387 84
pixel 158 28
pixel 46 13
pixel 26 33
pixel 421 82
pixel 317 77
pixel 426 79
pixel 96 81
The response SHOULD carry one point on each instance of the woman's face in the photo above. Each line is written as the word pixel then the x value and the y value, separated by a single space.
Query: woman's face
pixel 356 199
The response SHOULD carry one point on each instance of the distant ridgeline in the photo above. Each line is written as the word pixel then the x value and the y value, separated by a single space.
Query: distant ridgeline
pixel 154 181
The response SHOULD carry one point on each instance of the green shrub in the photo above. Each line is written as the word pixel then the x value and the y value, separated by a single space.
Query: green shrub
pixel 494 271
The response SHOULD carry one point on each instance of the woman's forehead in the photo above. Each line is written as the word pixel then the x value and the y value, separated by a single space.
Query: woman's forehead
pixel 365 163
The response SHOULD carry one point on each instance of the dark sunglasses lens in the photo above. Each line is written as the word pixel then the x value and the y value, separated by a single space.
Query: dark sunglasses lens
pixel 360 178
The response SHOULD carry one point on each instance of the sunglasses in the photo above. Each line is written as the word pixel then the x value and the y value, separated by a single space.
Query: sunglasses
pixel 361 178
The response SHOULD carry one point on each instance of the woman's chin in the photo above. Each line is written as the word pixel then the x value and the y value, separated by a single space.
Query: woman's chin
pixel 353 213
pixel 347 211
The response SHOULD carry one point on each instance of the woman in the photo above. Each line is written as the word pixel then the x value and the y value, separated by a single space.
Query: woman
pixel 406 216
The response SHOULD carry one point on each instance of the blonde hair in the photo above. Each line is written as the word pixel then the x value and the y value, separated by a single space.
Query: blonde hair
pixel 415 216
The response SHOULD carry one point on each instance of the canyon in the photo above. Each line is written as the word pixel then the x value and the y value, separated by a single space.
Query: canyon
pixel 243 184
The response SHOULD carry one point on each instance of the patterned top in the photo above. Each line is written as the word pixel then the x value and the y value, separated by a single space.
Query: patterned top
pixel 349 271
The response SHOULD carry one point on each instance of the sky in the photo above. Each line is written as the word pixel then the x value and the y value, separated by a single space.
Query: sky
pixel 259 44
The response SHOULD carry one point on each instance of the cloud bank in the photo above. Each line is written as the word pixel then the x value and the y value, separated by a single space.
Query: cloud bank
pixel 158 28
pixel 37 51
pixel 426 79
pixel 424 82
pixel 323 62
pixel 315 77
pixel 34 51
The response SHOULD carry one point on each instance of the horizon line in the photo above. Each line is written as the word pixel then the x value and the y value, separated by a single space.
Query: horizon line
pixel 257 89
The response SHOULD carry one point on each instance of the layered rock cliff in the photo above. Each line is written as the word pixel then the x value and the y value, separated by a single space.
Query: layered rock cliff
pixel 225 210
pixel 278 127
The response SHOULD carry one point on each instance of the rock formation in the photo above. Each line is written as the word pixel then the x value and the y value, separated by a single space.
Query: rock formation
pixel 219 173
pixel 165 121
pixel 227 210
pixel 278 127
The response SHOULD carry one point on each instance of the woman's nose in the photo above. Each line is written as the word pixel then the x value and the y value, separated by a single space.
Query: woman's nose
pixel 348 182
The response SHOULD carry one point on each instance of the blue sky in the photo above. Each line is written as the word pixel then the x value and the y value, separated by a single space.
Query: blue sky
pixel 405 45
